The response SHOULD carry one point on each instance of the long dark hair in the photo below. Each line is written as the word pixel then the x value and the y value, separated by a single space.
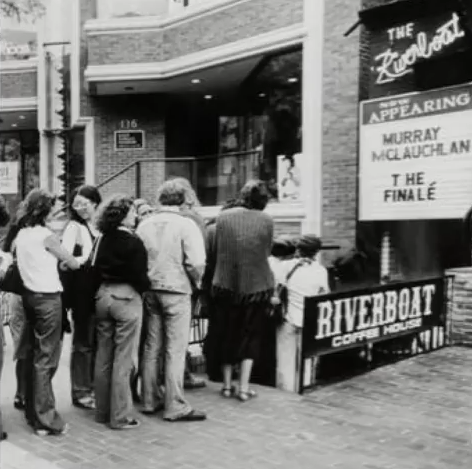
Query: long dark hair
pixel 90 193
pixel 35 208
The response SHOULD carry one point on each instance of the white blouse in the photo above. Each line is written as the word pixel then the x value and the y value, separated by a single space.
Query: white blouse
pixel 38 267
pixel 308 280
pixel 77 233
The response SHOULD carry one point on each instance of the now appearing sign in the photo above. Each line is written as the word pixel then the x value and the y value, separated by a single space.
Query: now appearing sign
pixel 345 320
pixel 415 155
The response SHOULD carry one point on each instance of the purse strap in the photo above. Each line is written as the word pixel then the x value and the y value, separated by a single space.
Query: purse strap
pixel 95 250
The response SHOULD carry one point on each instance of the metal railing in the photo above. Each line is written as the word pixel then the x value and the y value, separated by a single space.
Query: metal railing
pixel 215 178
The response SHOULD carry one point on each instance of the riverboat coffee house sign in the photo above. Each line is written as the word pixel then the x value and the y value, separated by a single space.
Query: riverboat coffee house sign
pixel 415 156
pixel 396 50
pixel 350 319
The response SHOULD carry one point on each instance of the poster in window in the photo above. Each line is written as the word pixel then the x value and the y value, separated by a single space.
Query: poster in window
pixel 8 177
pixel 289 178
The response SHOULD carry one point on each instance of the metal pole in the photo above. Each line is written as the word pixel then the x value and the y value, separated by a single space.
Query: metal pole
pixel 138 179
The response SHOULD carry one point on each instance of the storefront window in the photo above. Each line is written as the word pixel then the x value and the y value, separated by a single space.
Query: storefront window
pixel 252 131
pixel 19 165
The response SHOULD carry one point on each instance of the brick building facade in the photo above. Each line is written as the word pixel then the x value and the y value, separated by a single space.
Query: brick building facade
pixel 137 70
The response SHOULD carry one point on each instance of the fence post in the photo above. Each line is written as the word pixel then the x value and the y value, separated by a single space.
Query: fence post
pixel 138 179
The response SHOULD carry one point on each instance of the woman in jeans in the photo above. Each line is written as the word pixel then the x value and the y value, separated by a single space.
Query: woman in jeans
pixel 121 264
pixel 17 323
pixel 78 239
pixel 4 219
pixel 38 250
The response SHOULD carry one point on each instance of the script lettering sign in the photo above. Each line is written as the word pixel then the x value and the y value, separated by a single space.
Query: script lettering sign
pixel 403 46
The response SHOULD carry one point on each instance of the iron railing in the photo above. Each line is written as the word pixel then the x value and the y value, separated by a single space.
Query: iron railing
pixel 215 178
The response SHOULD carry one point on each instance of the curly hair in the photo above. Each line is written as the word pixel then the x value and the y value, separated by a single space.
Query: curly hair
pixel 171 193
pixel 112 212
pixel 191 199
pixel 35 208
pixel 254 195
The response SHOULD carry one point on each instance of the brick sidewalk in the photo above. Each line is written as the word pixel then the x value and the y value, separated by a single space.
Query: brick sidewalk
pixel 413 415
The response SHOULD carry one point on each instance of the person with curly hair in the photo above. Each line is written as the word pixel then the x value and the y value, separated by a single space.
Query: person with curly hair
pixel 38 250
pixel 78 238
pixel 121 264
pixel 4 219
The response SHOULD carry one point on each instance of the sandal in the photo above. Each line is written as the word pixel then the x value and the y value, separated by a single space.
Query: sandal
pixel 87 402
pixel 228 392
pixel 245 396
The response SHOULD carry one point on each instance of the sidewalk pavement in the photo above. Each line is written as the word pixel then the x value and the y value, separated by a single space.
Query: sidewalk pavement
pixel 416 414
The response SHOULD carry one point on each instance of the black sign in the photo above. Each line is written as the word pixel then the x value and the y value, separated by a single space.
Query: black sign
pixel 396 50
pixel 350 319
pixel 129 140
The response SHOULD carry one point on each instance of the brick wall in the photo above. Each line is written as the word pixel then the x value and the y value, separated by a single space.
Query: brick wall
pixel 341 92
pixel 242 20
pixel 108 113
pixel 341 65
pixel 18 85
pixel 460 307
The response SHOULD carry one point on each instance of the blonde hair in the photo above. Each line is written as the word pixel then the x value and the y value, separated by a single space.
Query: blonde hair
pixel 191 199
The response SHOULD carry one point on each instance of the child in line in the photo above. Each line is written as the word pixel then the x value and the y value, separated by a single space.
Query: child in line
pixel 304 277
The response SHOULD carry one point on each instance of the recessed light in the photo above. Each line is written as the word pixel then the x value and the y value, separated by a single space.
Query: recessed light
pixel 195 81
pixel 262 95
pixel 22 118
pixel 129 88
pixel 14 125
pixel 208 96
pixel 293 80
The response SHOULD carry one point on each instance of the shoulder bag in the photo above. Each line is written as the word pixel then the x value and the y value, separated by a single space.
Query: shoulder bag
pixel 11 280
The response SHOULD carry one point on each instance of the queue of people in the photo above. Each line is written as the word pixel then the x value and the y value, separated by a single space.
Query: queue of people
pixel 131 275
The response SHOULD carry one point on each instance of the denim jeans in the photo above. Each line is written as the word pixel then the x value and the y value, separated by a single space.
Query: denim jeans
pixel 82 353
pixel 44 331
pixel 118 312
pixel 20 342
pixel 168 324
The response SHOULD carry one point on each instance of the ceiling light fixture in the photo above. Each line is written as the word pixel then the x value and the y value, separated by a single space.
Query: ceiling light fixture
pixel 262 95
pixel 14 125
pixel 208 96
pixel 293 80
pixel 22 118
pixel 196 81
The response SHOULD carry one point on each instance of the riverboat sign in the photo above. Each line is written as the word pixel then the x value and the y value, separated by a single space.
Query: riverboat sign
pixel 415 155
pixel 339 321
pixel 345 320
pixel 402 46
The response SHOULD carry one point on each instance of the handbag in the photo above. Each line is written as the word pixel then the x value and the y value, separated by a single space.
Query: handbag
pixel 73 280
pixel 91 273
pixel 11 281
